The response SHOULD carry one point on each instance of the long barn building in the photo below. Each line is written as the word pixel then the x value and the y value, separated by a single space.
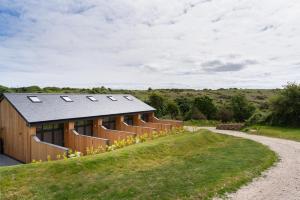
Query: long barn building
pixel 39 126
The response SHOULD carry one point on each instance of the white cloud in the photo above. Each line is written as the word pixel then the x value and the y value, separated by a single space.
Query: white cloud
pixel 139 43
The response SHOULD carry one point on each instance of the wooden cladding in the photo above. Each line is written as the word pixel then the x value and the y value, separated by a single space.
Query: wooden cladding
pixel 114 135
pixel 138 130
pixel 44 151
pixel 80 143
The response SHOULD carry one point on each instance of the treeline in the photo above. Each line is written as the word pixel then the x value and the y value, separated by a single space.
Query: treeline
pixel 281 109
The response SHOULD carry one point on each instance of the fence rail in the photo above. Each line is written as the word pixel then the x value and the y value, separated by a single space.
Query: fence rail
pixel 114 135
pixel 42 150
pixel 81 143
pixel 138 130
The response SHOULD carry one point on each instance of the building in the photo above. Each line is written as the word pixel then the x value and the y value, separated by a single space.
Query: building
pixel 36 126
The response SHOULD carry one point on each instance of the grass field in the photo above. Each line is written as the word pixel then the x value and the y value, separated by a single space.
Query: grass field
pixel 183 166
pixel 278 132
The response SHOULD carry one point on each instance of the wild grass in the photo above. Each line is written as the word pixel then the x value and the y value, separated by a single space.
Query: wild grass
pixel 275 131
pixel 184 166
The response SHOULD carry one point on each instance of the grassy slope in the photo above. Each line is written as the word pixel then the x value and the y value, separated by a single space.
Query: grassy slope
pixel 278 132
pixel 174 167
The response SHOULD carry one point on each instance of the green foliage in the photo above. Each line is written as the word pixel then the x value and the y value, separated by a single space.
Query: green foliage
pixel 274 131
pixel 159 103
pixel 241 107
pixel 195 114
pixel 172 109
pixel 225 114
pixel 285 107
pixel 184 105
pixel 206 106
pixel 258 117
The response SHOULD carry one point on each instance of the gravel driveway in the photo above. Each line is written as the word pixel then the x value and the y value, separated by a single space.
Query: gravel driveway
pixel 279 182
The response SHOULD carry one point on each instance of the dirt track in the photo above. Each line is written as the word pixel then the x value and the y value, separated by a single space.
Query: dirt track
pixel 279 182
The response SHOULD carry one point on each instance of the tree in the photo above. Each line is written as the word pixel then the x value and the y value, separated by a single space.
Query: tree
pixel 158 102
pixel 225 114
pixel 184 105
pixel 285 107
pixel 241 108
pixel 194 113
pixel 206 106
pixel 172 109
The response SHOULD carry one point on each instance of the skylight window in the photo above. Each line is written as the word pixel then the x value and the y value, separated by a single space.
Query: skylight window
pixel 112 98
pixel 128 98
pixel 66 98
pixel 34 99
pixel 92 98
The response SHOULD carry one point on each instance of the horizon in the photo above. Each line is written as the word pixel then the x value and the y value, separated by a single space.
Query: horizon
pixel 188 44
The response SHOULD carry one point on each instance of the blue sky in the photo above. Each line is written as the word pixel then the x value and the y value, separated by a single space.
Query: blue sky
pixel 140 44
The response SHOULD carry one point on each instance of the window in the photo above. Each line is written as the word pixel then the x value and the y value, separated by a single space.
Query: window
pixel 66 98
pixel 128 119
pixel 92 98
pixel 109 122
pixel 34 99
pixel 112 98
pixel 145 117
pixel 51 133
pixel 84 127
pixel 128 98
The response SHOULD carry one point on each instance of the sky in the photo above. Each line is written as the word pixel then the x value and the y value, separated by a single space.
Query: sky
pixel 136 44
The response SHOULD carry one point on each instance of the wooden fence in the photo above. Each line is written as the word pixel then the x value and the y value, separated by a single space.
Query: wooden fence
pixel 114 135
pixel 138 130
pixel 157 126
pixel 174 123
pixel 42 150
pixel 80 142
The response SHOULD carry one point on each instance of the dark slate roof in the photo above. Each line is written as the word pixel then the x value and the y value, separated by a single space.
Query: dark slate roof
pixel 54 108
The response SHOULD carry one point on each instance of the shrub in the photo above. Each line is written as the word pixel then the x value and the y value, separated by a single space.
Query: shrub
pixel 285 107
pixel 172 109
pixel 195 114
pixel 241 108
pixel 206 106
pixel 225 114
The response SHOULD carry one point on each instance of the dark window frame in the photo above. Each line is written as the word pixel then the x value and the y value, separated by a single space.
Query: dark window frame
pixel 85 124
pixel 129 119
pixel 52 128
pixel 145 117
pixel 92 98
pixel 109 123
pixel 30 98
pixel 66 96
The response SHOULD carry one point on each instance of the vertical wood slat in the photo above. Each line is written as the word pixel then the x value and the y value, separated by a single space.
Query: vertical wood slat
pixel 139 130
pixel 42 150
pixel 115 135
pixel 80 142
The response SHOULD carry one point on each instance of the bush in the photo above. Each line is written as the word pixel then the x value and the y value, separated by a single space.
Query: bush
pixel 285 107
pixel 225 114
pixel 258 117
pixel 172 109
pixel 184 105
pixel 206 106
pixel 195 114
pixel 241 108
pixel 158 102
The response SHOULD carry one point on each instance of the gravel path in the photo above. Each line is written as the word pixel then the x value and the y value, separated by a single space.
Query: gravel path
pixel 279 182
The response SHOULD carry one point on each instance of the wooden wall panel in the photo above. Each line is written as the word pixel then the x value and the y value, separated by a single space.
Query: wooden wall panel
pixel 43 150
pixel 14 132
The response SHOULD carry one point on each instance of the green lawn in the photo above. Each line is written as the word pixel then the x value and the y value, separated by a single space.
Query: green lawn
pixel 183 166
pixel 278 132
pixel 201 123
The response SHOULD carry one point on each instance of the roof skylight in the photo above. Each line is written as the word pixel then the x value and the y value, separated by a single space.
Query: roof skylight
pixel 66 98
pixel 34 99
pixel 112 98
pixel 92 98
pixel 128 98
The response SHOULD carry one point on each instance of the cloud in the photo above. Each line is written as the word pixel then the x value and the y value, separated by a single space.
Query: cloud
pixel 179 43
pixel 219 66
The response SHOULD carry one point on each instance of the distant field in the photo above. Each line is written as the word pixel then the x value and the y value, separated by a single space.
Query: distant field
pixel 278 132
pixel 189 165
